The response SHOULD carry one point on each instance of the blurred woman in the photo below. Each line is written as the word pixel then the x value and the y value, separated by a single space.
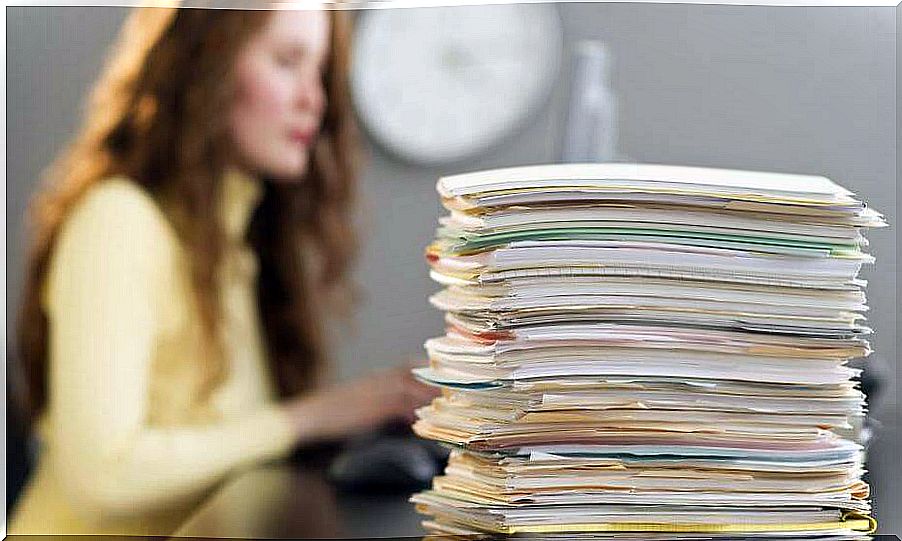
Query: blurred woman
pixel 187 247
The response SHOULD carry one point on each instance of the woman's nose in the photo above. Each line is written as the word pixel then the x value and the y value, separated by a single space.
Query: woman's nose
pixel 311 95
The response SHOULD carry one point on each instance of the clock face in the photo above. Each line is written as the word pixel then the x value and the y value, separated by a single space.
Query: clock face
pixel 437 85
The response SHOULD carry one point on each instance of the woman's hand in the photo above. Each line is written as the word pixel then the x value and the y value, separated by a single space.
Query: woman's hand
pixel 341 410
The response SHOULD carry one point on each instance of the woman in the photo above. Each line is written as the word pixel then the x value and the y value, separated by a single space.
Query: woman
pixel 189 245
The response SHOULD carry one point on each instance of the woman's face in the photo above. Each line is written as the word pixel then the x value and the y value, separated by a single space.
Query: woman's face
pixel 279 99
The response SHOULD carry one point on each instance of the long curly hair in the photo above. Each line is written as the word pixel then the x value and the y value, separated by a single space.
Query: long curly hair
pixel 156 116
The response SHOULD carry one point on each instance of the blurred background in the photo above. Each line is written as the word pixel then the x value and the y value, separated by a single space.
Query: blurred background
pixel 804 90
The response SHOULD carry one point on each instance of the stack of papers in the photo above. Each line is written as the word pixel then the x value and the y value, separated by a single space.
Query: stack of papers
pixel 648 351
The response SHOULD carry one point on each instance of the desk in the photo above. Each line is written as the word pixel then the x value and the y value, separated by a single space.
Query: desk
pixel 286 501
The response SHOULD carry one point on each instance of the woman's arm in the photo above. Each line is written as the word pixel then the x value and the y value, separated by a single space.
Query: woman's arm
pixel 350 407
pixel 104 302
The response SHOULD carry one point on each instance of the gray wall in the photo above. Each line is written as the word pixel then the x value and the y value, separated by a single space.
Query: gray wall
pixel 809 90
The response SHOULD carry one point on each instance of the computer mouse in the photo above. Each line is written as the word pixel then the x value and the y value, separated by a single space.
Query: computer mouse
pixel 387 463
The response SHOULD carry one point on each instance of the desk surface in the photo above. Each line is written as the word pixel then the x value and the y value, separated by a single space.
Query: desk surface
pixel 285 501
pixel 289 501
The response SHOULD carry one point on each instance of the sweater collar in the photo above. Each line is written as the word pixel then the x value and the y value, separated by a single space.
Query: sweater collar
pixel 241 193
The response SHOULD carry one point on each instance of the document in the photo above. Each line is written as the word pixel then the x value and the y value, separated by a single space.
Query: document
pixel 648 351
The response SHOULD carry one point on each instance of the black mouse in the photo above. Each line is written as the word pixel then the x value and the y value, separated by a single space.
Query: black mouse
pixel 387 462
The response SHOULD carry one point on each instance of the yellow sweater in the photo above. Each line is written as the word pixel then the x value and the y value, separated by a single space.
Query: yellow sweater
pixel 124 450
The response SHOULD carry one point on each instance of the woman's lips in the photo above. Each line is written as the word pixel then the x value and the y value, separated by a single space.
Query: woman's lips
pixel 303 137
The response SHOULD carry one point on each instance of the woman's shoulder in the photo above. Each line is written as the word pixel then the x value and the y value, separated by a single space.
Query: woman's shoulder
pixel 114 232
pixel 115 206
pixel 115 221
pixel 120 195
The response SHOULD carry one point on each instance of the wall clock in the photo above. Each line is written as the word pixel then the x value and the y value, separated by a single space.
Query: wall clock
pixel 441 84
